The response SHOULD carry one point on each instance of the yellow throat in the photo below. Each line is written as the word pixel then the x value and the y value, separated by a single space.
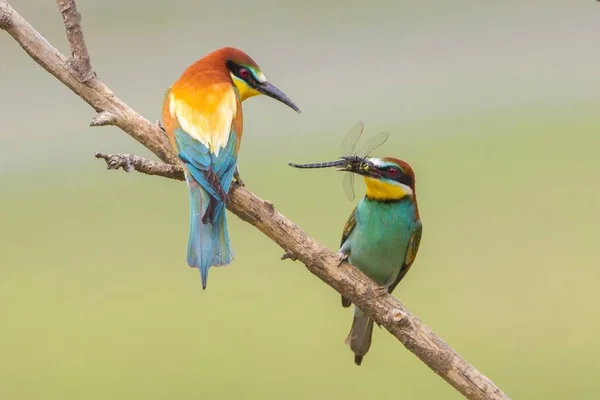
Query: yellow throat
pixel 243 88
pixel 379 190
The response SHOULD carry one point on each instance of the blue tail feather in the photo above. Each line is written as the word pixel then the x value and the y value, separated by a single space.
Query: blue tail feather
pixel 208 244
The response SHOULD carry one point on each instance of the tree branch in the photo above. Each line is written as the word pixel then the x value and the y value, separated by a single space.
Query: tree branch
pixel 79 51
pixel 131 162
pixel 347 280
pixel 104 119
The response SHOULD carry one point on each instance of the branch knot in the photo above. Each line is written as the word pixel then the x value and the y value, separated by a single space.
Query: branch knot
pixel 103 119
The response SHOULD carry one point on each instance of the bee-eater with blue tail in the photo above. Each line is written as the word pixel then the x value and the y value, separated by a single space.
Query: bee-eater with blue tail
pixel 382 235
pixel 202 116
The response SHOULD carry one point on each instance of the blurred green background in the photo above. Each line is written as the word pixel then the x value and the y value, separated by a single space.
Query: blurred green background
pixel 496 106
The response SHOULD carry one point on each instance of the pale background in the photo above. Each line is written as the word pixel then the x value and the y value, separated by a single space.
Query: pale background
pixel 496 106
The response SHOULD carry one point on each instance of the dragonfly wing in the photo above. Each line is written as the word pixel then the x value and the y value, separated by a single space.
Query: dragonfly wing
pixel 351 138
pixel 373 143
pixel 348 185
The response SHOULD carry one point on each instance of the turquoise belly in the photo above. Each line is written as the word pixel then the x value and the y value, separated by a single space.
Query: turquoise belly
pixel 379 241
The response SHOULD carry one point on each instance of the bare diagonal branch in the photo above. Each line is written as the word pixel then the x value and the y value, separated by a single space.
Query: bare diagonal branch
pixel 341 276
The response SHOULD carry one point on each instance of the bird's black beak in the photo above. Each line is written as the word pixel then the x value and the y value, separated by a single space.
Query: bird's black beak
pixel 270 90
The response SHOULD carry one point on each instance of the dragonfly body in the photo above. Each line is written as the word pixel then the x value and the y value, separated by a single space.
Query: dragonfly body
pixel 349 155
pixel 338 163
pixel 342 162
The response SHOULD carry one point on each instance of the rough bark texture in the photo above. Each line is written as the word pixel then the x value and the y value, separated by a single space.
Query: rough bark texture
pixel 77 74
pixel 81 58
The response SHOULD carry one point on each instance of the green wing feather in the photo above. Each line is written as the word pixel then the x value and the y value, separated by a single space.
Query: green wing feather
pixel 348 228
pixel 411 253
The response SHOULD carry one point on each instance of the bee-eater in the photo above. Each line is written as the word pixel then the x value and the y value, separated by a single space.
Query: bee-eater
pixel 202 116
pixel 382 235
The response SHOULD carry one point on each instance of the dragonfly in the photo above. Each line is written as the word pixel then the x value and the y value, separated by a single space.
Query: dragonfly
pixel 348 150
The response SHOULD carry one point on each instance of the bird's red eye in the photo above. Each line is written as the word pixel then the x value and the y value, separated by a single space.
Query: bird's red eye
pixel 392 171
pixel 244 73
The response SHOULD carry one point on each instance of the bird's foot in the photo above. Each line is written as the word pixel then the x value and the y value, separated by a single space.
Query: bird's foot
pixel 236 178
pixel 375 294
pixel 379 292
pixel 226 198
pixel 342 258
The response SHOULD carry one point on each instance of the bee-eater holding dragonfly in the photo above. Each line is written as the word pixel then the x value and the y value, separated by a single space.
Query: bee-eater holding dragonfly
pixel 202 116
pixel 348 149
pixel 383 233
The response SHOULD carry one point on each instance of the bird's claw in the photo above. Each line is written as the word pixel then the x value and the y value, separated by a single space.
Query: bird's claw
pixel 342 258
pixel 380 291
pixel 236 177
pixel 375 294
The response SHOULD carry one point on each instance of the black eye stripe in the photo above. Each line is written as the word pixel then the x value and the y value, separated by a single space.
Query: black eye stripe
pixel 405 180
pixel 235 69
pixel 400 176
